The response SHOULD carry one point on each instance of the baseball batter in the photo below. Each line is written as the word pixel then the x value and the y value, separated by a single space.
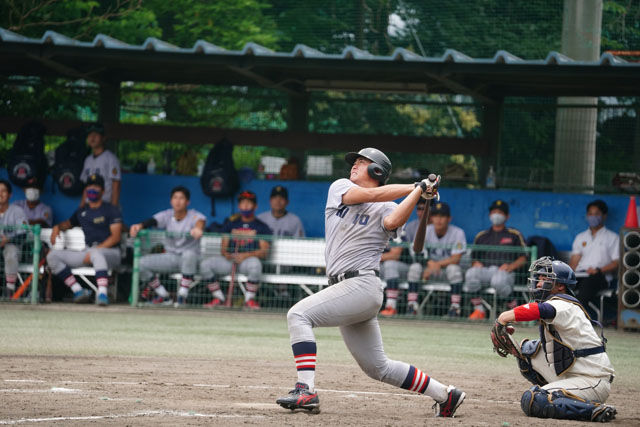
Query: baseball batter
pixel 11 216
pixel 181 247
pixel 360 218
pixel 101 223
pixel 568 365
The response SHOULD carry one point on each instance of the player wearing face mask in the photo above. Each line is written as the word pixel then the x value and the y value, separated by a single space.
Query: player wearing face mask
pixel 495 268
pixel 36 211
pixel 595 254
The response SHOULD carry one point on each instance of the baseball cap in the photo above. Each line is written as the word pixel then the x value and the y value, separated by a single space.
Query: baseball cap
pixel 279 190
pixel 96 127
pixel 441 208
pixel 500 204
pixel 248 195
pixel 600 204
pixel 95 179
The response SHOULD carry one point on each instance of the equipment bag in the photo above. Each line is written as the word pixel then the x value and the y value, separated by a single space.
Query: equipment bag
pixel 69 161
pixel 219 176
pixel 26 158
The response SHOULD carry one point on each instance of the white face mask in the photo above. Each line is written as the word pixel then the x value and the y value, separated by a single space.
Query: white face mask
pixel 32 194
pixel 497 218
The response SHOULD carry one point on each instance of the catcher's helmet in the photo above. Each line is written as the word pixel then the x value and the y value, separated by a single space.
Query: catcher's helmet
pixel 550 272
pixel 379 169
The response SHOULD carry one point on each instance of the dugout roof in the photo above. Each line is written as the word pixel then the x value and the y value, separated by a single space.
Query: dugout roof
pixel 109 60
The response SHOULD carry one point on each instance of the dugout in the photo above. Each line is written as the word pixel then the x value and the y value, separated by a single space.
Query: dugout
pixel 301 74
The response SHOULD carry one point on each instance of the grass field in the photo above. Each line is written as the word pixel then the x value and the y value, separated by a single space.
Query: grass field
pixel 68 365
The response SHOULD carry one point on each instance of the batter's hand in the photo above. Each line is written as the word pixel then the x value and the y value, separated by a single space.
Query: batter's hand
pixel 429 187
pixel 135 229
pixel 196 232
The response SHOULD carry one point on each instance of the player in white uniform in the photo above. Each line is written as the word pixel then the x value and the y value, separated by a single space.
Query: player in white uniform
pixel 11 216
pixel 399 262
pixel 568 366
pixel 102 162
pixel 360 218
pixel 36 211
pixel 181 247
pixel 280 221
pixel 448 244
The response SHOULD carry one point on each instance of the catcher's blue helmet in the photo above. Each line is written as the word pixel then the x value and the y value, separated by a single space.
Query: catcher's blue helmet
pixel 550 272
pixel 380 167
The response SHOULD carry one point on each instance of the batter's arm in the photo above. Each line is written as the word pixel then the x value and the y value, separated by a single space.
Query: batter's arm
pixel 402 212
pixel 386 193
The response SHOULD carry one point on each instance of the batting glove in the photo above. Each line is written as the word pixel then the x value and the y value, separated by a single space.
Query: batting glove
pixel 429 187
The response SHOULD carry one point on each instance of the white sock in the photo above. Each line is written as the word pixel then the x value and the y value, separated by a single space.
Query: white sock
pixel 102 290
pixel 183 291
pixel 160 290
pixel 249 295
pixel 436 391
pixel 76 287
pixel 308 378
pixel 219 294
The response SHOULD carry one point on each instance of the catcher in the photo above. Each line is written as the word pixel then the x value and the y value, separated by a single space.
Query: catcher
pixel 568 365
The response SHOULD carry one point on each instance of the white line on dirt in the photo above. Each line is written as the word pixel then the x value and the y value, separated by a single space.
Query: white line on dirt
pixel 25 381
pixel 129 415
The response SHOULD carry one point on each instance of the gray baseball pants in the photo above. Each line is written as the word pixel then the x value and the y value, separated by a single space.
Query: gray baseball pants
pixel 393 269
pixel 10 255
pixel 219 265
pixel 478 277
pixel 186 262
pixel 101 258
pixel 353 306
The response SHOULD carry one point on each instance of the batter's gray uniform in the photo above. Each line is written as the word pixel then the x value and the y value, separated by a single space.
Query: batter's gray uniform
pixel 40 212
pixel 180 253
pixel 453 242
pixel 14 216
pixel 106 165
pixel 287 225
pixel 355 237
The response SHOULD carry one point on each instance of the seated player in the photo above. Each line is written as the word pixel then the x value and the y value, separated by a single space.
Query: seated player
pixel 101 223
pixel 568 366
pixel 242 248
pixel 398 262
pixel 181 247
pixel 448 245
pixel 11 216
pixel 36 211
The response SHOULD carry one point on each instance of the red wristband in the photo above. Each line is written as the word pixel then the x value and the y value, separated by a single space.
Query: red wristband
pixel 527 312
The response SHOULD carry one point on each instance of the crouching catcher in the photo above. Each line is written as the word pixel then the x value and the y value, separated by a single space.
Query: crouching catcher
pixel 568 366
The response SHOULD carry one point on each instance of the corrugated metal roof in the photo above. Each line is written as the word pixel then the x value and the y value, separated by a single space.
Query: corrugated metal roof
pixel 303 51
pixel 106 59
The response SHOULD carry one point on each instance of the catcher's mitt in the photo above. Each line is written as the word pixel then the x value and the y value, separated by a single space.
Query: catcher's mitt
pixel 503 342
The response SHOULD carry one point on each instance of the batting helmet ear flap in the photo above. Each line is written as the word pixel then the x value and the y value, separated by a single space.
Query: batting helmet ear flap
pixel 375 171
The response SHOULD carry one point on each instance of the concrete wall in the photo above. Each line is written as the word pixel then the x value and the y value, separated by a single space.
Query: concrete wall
pixel 557 216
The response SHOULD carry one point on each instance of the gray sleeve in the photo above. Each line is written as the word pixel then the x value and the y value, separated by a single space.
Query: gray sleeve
pixel 386 211
pixel 163 217
pixel 336 191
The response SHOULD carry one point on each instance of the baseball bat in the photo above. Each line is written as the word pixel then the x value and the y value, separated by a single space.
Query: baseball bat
pixel 231 284
pixel 18 293
pixel 418 240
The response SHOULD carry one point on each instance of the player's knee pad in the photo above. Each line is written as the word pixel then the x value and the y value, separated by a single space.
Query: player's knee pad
pixel 454 273
pixel 536 402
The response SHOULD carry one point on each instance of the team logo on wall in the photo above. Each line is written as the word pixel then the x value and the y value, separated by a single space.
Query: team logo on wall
pixel 216 184
pixel 67 180
pixel 22 170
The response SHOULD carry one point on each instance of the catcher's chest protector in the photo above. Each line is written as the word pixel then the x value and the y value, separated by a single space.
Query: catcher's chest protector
pixel 557 352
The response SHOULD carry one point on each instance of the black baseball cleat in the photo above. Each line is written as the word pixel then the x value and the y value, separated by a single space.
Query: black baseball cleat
pixel 300 398
pixel 455 397
pixel 604 414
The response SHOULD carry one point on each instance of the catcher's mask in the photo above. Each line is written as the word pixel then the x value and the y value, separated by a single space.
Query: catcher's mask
pixel 550 272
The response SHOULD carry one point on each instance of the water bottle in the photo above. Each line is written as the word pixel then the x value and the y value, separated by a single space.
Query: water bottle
pixel 491 178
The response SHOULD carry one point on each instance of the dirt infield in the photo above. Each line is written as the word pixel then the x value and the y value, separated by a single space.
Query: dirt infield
pixel 84 390
pixel 158 391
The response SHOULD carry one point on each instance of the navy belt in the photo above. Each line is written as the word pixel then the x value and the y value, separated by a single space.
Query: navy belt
pixel 350 274
pixel 588 351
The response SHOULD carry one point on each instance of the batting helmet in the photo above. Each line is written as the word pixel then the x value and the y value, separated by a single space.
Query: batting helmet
pixel 550 272
pixel 380 167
